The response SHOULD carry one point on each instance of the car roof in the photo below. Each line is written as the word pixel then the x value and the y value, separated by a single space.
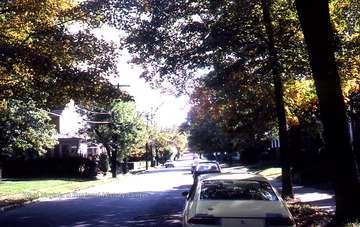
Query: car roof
pixel 208 162
pixel 232 176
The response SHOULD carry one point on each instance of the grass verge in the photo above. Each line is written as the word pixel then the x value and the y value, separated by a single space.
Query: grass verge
pixel 20 191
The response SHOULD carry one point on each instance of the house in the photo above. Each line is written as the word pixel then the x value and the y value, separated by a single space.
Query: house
pixel 68 122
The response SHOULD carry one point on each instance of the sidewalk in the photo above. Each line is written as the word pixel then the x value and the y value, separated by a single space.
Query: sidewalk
pixel 320 194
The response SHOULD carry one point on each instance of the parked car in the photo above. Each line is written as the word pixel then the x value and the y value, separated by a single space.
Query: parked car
pixel 229 199
pixel 169 164
pixel 206 167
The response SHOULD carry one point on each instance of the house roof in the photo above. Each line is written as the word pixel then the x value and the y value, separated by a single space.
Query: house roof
pixel 67 136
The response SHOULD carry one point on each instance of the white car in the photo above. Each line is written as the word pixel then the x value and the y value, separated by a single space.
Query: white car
pixel 229 199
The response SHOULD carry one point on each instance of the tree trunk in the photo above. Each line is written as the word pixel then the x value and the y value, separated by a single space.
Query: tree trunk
pixel 152 163
pixel 295 147
pixel 1 167
pixel 356 143
pixel 146 155
pixel 355 123
pixel 112 157
pixel 315 21
pixel 156 156
pixel 113 163
pixel 1 162
pixel 287 184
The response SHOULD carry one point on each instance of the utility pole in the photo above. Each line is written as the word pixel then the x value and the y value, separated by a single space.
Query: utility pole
pixel 152 163
pixel 146 155
pixel 147 143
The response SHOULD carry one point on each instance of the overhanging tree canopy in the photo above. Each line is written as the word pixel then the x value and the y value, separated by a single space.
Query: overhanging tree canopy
pixel 45 57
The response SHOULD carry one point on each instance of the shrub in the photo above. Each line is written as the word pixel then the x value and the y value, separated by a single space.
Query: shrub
pixel 61 167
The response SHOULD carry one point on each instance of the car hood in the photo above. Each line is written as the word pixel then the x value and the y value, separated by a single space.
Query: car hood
pixel 242 208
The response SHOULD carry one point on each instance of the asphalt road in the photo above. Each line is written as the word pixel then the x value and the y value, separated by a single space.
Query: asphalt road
pixel 149 199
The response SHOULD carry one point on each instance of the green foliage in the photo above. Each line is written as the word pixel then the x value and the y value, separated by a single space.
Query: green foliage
pixel 173 41
pixel 231 112
pixel 167 154
pixel 346 24
pixel 207 137
pixel 24 127
pixel 229 40
pixel 180 141
pixel 118 129
pixel 50 54
pixel 103 162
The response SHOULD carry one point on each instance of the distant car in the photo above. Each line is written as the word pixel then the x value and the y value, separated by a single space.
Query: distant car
pixel 206 167
pixel 228 199
pixel 235 156
pixel 169 164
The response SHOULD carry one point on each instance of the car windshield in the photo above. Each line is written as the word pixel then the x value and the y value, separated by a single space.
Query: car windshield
pixel 207 167
pixel 237 190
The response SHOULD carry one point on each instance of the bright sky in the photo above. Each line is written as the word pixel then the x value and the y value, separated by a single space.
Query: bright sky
pixel 170 110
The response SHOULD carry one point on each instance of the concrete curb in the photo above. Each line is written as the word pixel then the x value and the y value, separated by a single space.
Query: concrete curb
pixel 9 207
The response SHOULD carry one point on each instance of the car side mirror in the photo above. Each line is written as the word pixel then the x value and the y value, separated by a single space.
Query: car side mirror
pixel 185 193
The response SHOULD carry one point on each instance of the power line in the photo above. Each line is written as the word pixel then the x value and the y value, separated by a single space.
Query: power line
pixel 98 122
pixel 93 112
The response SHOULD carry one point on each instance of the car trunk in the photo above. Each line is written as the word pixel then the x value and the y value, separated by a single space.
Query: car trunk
pixel 241 208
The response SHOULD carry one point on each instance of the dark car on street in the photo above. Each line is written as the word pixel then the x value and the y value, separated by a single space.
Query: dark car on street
pixel 169 164
pixel 205 167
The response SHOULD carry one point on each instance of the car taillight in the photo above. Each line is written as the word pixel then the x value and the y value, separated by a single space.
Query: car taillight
pixel 279 222
pixel 205 221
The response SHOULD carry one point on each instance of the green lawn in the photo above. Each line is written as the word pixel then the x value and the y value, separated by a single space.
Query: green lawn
pixel 18 191
pixel 273 172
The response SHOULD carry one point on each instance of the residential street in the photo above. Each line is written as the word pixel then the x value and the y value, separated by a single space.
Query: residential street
pixel 152 198
pixel 149 199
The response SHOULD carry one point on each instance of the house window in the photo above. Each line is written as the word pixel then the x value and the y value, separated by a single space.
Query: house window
pixel 74 150
pixel 90 151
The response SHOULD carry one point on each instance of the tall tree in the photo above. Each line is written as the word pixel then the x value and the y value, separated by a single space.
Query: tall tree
pixel 242 108
pixel 117 129
pixel 49 55
pixel 319 37
pixel 287 185
pixel 24 128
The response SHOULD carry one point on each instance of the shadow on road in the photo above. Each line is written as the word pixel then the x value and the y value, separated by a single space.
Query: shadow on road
pixel 143 208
